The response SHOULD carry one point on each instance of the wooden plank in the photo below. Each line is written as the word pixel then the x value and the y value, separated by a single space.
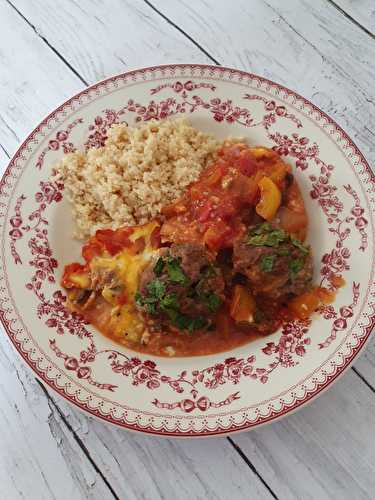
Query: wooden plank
pixel 149 467
pixel 304 45
pixel 136 466
pixel 293 62
pixel 33 81
pixel 326 451
pixel 39 456
pixel 276 65
pixel 100 38
pixel 362 11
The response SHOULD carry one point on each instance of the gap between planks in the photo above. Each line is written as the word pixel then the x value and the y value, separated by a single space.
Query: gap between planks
pixel 350 18
pixel 76 73
pixel 50 400
pixel 78 440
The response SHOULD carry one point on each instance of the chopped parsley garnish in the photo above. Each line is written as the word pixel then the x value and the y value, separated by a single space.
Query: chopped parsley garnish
pixel 267 262
pixel 175 272
pixel 211 300
pixel 138 299
pixel 158 300
pixel 298 244
pixel 266 235
pixel 283 252
pixel 169 301
pixel 156 289
pixel 159 266
pixel 295 266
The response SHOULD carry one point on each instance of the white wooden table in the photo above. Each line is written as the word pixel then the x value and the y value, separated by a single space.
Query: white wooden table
pixel 323 49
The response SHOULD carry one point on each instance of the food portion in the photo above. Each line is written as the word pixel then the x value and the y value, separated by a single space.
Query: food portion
pixel 134 175
pixel 183 289
pixel 216 264
pixel 274 263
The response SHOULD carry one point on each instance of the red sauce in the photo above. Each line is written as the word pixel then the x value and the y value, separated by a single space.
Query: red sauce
pixel 215 211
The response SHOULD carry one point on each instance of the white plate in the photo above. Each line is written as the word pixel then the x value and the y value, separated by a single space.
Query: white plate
pixel 206 395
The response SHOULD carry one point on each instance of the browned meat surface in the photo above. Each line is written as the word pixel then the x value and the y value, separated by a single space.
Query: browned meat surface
pixel 280 281
pixel 186 277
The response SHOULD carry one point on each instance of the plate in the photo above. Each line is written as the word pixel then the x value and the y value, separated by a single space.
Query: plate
pixel 206 395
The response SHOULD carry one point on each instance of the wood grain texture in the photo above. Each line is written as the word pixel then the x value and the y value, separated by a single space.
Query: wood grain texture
pixel 103 38
pixel 39 458
pixel 304 45
pixel 33 81
pixel 326 451
pixel 136 466
pixel 148 467
pixel 310 48
pixel 362 11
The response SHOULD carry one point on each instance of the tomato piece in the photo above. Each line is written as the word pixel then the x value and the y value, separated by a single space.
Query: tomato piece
pixel 292 222
pixel 172 209
pixel 155 239
pixel 216 234
pixel 247 164
pixel 122 298
pixel 294 199
pixel 205 211
pixel 303 306
pixel 91 250
pixel 114 241
pixel 270 199
pixel 243 306
pixel 213 178
pixel 75 276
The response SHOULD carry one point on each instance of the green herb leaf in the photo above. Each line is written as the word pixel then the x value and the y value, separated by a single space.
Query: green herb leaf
pixel 169 301
pixel 181 321
pixel 197 323
pixel 213 302
pixel 298 244
pixel 151 308
pixel 138 299
pixel 266 235
pixel 295 266
pixel 156 289
pixel 267 262
pixel 175 272
pixel 159 266
pixel 283 252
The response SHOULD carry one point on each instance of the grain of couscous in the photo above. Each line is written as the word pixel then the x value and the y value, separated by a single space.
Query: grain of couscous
pixel 136 172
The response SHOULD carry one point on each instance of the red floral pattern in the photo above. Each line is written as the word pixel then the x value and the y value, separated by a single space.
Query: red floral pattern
pixel 222 110
pixel 203 403
pixel 273 111
pixel 183 88
pixel 60 141
pixel 341 320
pixel 293 341
pixel 360 221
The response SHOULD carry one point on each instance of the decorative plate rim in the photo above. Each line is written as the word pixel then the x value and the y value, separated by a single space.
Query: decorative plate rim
pixel 286 409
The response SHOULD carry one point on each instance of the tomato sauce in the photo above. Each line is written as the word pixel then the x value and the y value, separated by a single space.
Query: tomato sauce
pixel 244 183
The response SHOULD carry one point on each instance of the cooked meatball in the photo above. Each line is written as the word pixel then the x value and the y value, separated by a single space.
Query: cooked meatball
pixel 274 271
pixel 182 283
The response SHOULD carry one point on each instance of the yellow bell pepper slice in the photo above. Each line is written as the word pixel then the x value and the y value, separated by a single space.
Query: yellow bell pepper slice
pixel 270 199
pixel 243 306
